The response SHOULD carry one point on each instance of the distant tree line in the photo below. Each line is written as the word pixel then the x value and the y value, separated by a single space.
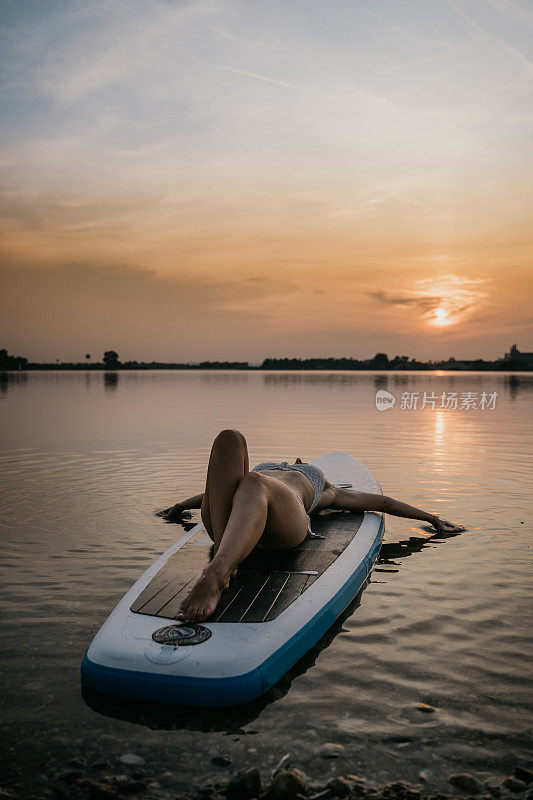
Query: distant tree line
pixel 514 360
pixel 12 362
pixel 111 362
pixel 382 361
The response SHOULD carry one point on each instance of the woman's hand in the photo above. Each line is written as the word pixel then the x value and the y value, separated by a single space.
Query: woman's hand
pixel 176 511
pixel 445 526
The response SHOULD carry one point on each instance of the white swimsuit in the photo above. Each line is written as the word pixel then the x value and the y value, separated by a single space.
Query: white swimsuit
pixel 315 475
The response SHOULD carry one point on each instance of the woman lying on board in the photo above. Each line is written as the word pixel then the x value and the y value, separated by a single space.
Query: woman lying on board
pixel 267 507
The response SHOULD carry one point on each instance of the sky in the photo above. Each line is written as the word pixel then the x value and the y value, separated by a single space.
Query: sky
pixel 235 179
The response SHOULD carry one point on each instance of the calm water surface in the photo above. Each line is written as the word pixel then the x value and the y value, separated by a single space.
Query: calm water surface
pixel 86 459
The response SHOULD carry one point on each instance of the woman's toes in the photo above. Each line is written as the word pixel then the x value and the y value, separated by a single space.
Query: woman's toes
pixel 184 611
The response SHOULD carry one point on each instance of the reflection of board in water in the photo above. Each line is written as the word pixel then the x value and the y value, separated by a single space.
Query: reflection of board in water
pixel 278 607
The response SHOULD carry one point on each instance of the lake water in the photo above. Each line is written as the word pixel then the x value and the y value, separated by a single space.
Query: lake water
pixel 86 459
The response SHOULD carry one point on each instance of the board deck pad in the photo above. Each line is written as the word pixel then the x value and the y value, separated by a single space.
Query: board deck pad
pixel 267 581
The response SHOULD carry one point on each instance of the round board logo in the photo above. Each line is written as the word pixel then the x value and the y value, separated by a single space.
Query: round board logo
pixel 176 635
pixel 384 400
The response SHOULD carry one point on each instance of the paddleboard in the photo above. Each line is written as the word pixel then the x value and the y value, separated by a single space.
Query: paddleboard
pixel 276 608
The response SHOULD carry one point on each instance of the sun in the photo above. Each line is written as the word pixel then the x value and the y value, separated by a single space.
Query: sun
pixel 441 317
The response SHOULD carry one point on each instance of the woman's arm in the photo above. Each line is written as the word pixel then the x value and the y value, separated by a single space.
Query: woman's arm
pixel 177 510
pixel 348 500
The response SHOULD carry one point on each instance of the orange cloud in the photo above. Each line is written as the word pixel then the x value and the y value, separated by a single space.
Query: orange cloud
pixel 446 299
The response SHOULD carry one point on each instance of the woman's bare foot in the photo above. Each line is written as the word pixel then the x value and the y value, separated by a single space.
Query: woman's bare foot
pixel 226 582
pixel 203 597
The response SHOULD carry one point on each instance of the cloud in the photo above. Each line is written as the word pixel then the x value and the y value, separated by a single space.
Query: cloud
pixel 501 44
pixel 404 300
pixel 459 297
pixel 380 105
pixel 263 78
pixel 133 283
pixel 510 9
pixel 89 47
pixel 74 306
pixel 207 139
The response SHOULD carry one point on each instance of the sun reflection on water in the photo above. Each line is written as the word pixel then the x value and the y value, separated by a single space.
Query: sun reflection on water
pixel 439 426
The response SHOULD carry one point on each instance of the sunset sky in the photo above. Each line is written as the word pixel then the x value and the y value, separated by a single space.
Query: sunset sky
pixel 237 179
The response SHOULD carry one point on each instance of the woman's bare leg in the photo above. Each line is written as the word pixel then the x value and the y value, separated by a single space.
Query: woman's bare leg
pixel 228 464
pixel 263 508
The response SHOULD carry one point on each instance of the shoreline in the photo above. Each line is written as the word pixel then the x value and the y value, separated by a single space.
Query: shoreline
pixel 197 368
pixel 111 773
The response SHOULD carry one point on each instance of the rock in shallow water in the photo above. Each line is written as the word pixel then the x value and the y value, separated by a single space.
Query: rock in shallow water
pixel 339 787
pixel 131 759
pixel 98 790
pixel 287 784
pixel 466 783
pixel 400 790
pixel 221 761
pixel 244 785
pixel 514 784
pixel 425 708
pixel 523 774
pixel 331 750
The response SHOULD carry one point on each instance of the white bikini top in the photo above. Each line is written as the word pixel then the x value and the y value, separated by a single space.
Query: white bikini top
pixel 315 475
